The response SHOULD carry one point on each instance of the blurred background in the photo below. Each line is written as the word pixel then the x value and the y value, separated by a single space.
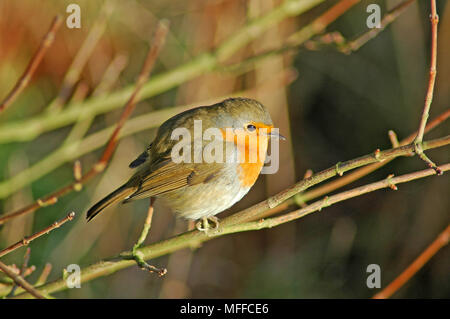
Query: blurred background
pixel 332 107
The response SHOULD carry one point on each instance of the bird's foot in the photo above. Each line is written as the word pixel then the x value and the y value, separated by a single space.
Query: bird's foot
pixel 204 226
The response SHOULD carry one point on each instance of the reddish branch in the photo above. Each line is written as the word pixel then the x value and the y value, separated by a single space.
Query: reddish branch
pixel 441 241
pixel 26 241
pixel 32 66
pixel 434 18
pixel 158 42
pixel 320 24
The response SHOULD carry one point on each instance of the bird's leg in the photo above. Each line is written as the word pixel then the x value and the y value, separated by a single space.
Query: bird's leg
pixel 204 226
pixel 137 255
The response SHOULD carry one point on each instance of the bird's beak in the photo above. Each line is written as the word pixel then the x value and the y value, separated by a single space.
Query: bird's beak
pixel 275 134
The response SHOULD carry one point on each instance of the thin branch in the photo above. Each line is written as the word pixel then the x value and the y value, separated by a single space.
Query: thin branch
pixel 389 182
pixel 26 259
pixel 136 255
pixel 20 281
pixel 300 37
pixel 320 24
pixel 296 39
pixel 231 224
pixel 27 240
pixel 158 42
pixel 83 54
pixel 23 81
pixel 434 18
pixel 441 241
pixel 362 39
pixel 109 77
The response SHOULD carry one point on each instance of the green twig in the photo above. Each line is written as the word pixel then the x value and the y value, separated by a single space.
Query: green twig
pixel 136 254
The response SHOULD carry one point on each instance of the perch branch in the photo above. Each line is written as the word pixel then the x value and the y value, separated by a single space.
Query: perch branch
pixel 389 182
pixel 231 223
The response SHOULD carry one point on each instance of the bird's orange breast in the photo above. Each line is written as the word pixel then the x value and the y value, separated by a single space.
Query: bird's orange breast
pixel 252 154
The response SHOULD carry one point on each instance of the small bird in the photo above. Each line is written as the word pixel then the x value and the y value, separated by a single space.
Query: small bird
pixel 198 190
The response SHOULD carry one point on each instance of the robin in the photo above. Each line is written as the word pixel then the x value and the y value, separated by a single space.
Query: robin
pixel 198 190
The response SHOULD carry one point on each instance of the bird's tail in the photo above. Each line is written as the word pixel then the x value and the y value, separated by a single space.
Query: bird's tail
pixel 118 195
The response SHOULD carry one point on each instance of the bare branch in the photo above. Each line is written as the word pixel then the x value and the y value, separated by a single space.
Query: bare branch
pixel 27 240
pixel 441 241
pixel 434 18
pixel 23 81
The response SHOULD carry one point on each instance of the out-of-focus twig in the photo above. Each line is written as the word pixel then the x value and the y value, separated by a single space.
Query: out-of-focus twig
pixel 26 259
pixel 296 39
pixel 434 18
pixel 441 241
pixel 32 66
pixel 362 39
pixel 320 24
pixel 81 58
pixel 27 240
pixel 20 281
pixel 157 44
pixel 108 79
pixel 44 275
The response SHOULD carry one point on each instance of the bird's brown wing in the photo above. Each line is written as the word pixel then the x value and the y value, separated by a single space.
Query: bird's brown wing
pixel 169 176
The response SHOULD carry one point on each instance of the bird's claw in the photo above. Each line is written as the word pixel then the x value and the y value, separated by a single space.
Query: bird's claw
pixel 204 226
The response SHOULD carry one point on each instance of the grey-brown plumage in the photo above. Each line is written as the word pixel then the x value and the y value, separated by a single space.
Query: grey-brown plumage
pixel 184 186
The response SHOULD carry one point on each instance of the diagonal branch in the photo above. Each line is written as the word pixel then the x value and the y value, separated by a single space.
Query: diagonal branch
pixel 23 81
pixel 27 240
pixel 440 242
pixel 434 18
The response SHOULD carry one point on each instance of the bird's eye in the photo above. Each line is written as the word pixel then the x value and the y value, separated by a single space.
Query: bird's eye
pixel 251 127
